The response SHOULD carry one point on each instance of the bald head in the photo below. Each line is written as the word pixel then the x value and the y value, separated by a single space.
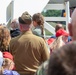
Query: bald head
pixel 72 25
pixel 58 26
pixel 14 24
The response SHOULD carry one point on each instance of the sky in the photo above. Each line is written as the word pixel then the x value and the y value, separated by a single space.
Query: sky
pixel 20 6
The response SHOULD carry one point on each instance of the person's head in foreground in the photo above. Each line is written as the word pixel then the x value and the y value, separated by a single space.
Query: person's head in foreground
pixel 38 19
pixel 7 64
pixel 38 22
pixel 25 21
pixel 63 61
pixel 8 61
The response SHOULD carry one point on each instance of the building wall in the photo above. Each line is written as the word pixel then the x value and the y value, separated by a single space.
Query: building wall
pixel 3 8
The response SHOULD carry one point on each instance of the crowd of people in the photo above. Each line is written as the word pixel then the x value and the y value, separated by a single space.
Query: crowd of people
pixel 25 51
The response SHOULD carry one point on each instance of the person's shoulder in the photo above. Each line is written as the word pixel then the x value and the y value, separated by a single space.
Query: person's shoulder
pixel 14 39
pixel 37 32
pixel 37 38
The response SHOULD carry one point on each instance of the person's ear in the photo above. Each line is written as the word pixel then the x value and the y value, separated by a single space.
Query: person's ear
pixel 70 29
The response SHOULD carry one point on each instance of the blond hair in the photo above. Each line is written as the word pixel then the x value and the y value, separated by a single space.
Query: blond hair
pixel 8 64
pixel 4 38
pixel 58 42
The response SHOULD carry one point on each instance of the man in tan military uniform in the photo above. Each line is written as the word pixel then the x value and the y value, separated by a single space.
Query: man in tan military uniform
pixel 29 50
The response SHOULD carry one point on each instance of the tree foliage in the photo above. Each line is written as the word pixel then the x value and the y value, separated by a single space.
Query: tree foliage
pixel 51 13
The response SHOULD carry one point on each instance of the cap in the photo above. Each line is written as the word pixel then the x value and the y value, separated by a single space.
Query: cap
pixel 7 55
pixel 61 32
pixel 25 18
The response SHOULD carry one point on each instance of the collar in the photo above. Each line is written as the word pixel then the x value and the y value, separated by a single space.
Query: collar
pixel 26 32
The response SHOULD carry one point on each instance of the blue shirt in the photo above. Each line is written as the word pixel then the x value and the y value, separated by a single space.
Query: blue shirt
pixel 10 72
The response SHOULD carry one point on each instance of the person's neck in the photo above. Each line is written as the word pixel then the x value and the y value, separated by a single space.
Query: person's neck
pixel 25 30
